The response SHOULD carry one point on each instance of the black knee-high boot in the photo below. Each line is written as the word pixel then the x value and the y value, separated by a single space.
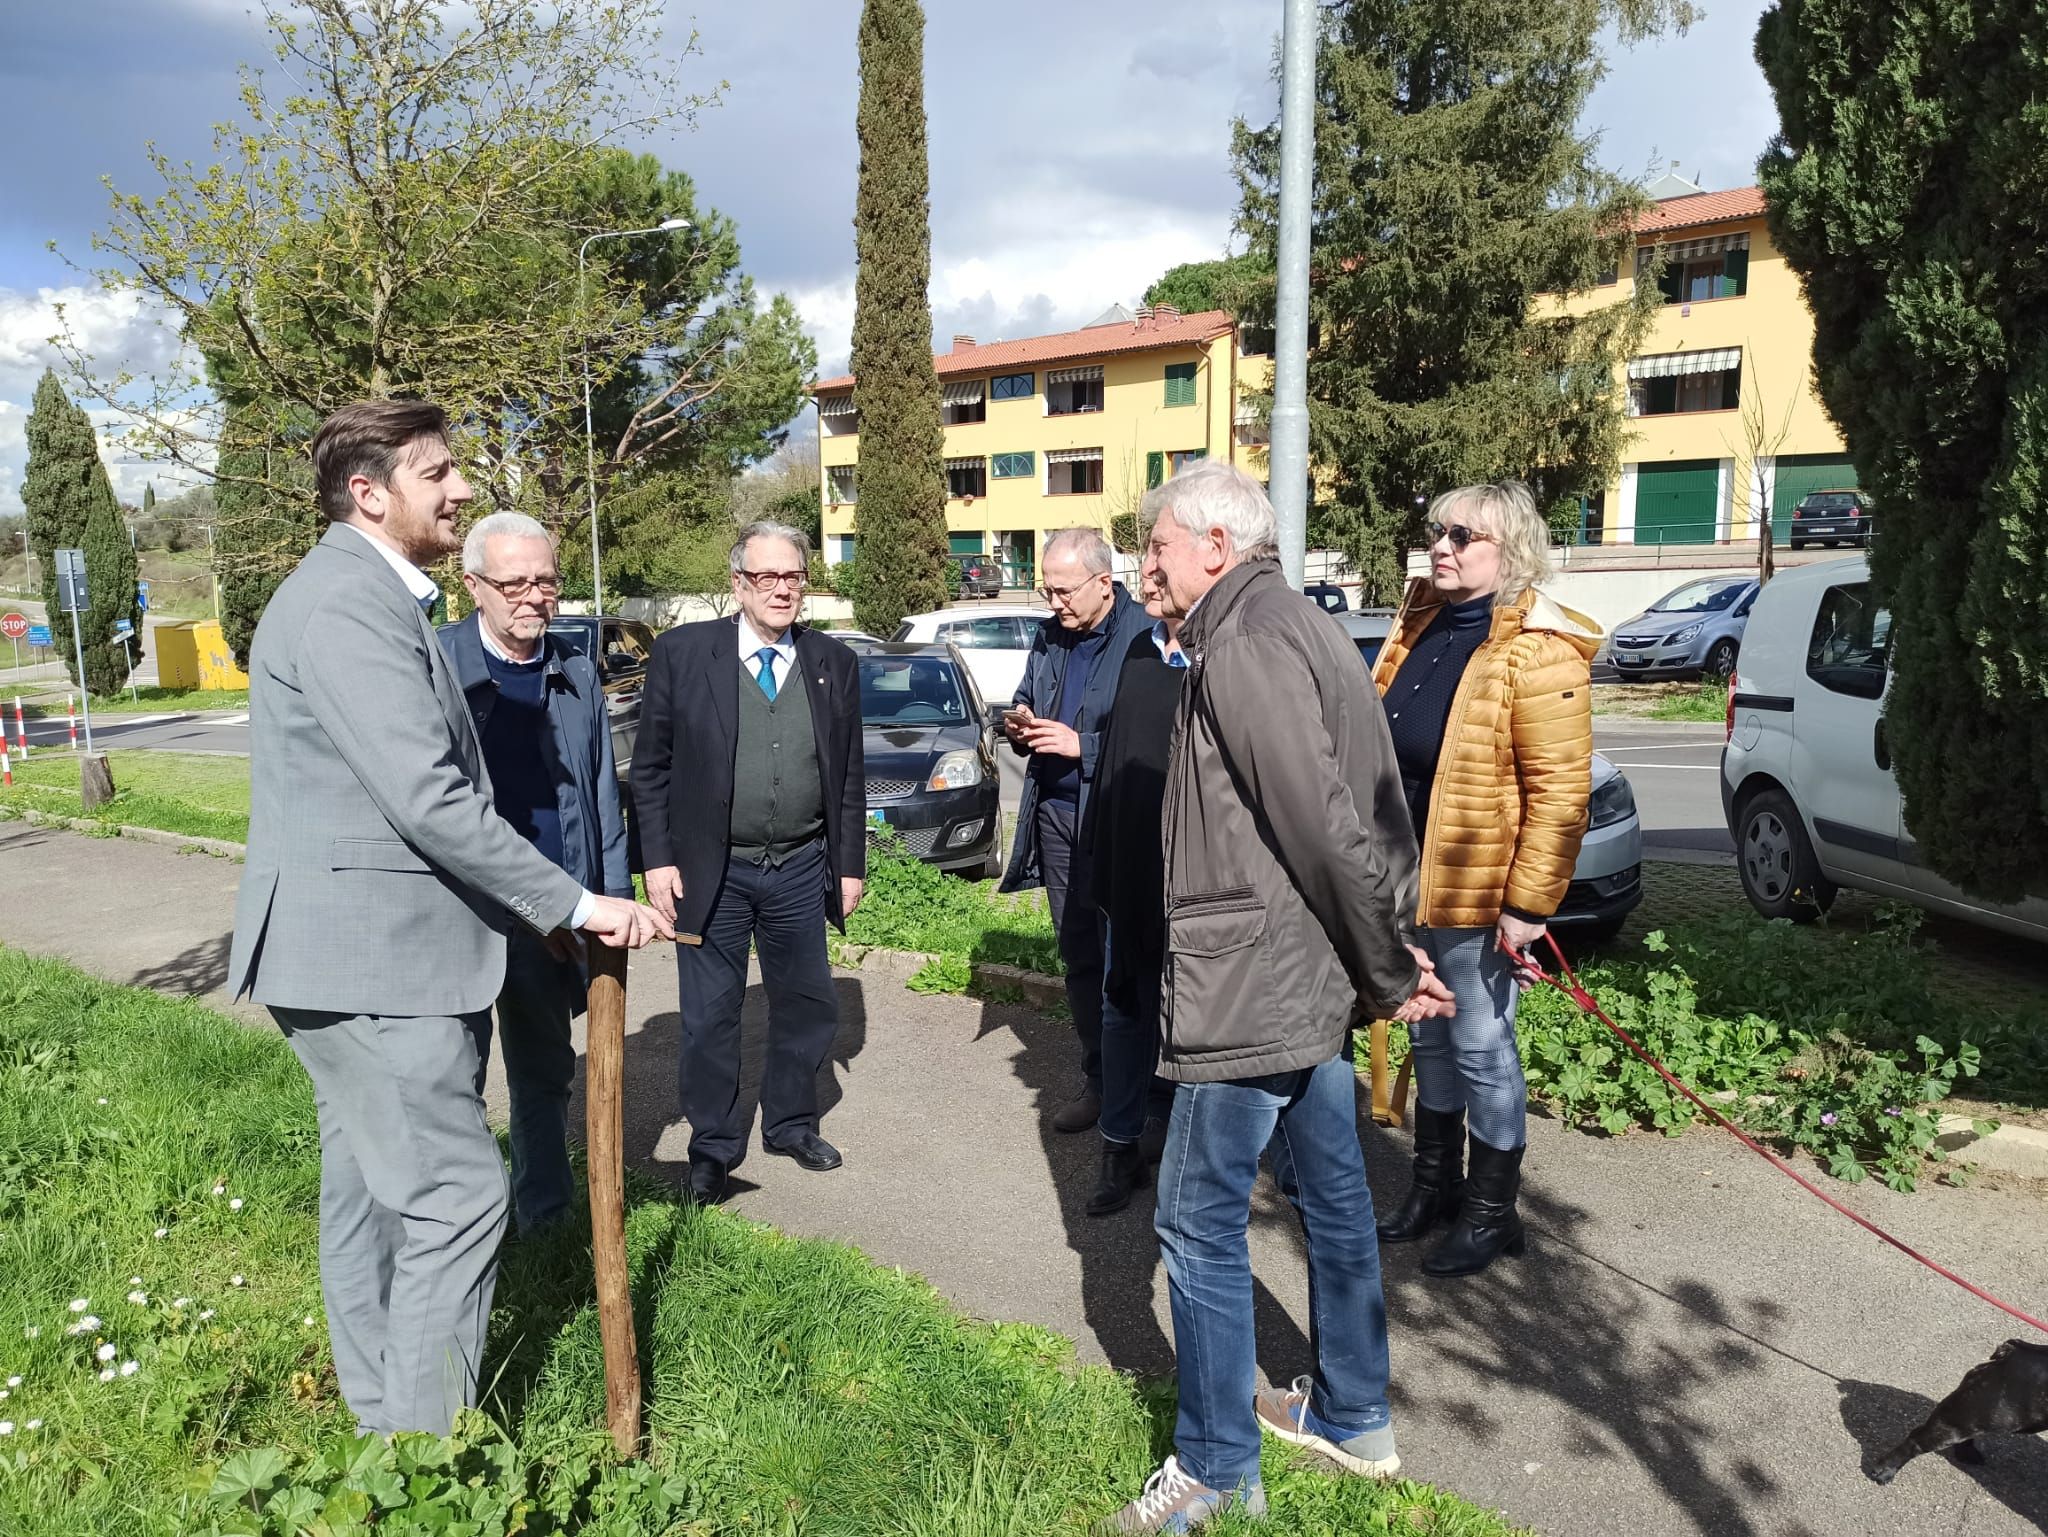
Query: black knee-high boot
pixel 1488 1225
pixel 1439 1177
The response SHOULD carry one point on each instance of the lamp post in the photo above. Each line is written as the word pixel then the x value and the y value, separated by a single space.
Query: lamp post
pixel 589 424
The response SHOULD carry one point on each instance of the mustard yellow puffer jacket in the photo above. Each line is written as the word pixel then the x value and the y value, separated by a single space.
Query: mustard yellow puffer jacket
pixel 1507 809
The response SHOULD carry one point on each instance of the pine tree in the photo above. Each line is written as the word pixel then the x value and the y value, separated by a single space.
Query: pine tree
pixel 70 504
pixel 260 530
pixel 1906 190
pixel 1456 208
pixel 902 507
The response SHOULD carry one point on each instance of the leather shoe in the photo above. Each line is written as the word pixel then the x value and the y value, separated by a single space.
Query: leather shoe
pixel 810 1151
pixel 1124 1171
pixel 706 1184
pixel 1079 1113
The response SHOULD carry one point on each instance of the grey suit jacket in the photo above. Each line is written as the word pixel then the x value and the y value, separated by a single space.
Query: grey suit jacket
pixel 379 879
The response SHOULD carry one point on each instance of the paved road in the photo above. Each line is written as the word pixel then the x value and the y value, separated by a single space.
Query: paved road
pixel 1692 1346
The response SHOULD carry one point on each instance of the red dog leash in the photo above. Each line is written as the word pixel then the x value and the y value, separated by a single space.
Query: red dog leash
pixel 1568 983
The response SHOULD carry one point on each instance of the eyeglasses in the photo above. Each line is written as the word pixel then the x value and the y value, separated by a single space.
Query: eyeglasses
pixel 1459 535
pixel 768 581
pixel 1062 594
pixel 523 586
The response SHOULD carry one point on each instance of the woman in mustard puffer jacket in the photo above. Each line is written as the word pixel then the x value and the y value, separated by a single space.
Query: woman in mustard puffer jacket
pixel 1489 700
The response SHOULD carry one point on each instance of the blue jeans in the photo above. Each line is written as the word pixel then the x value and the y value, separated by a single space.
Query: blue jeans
pixel 1469 1062
pixel 1310 1117
pixel 540 996
pixel 1132 1090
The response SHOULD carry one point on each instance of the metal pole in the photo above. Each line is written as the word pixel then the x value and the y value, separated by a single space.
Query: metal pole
pixel 1288 453
pixel 84 695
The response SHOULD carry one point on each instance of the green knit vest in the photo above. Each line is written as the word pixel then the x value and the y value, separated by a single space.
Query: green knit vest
pixel 778 797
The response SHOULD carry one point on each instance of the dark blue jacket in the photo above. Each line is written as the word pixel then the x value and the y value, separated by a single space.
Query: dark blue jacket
pixel 586 784
pixel 1043 671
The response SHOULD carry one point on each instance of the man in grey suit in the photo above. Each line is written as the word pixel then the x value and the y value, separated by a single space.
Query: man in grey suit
pixel 377 894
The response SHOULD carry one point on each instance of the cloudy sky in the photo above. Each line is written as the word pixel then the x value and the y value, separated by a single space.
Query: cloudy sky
pixel 1079 148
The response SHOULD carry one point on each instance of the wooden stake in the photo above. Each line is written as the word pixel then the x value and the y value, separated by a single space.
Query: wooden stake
pixel 1387 1110
pixel 604 1139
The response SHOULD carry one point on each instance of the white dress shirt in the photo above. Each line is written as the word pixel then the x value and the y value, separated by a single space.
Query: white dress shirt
pixel 425 589
pixel 750 643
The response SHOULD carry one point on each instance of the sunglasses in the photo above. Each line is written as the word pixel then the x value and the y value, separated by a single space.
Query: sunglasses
pixel 1459 535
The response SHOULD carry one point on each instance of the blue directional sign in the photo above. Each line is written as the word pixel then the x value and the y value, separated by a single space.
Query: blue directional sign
pixel 123 627
pixel 39 635
pixel 142 596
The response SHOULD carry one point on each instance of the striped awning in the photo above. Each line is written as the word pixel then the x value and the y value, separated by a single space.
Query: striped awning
pixel 1072 455
pixel 1247 414
pixel 1695 250
pixel 1091 373
pixel 835 405
pixel 972 462
pixel 965 392
pixel 1671 365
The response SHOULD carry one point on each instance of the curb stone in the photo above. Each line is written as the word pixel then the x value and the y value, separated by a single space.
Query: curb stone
pixel 180 841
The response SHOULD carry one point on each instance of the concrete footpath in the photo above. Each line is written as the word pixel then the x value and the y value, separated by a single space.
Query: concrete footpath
pixel 1691 1345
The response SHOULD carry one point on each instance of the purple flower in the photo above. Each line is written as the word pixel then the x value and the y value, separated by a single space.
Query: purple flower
pixel 1828 1119
pixel 1891 1110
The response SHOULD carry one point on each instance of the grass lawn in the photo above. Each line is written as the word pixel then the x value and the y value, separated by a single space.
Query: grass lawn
pixel 791 1386
pixel 149 700
pixel 195 794
pixel 909 905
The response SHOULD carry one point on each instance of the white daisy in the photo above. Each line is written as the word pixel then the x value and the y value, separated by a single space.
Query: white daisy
pixel 135 1280
pixel 6 1427
pixel 80 1304
pixel 130 1368
pixel 106 1374
pixel 138 1297
pixel 235 1204
pixel 163 1232
pixel 208 1313
pixel 14 1382
pixel 32 1332
pixel 220 1189
pixel 106 1353
pixel 181 1303
pixel 102 1099
pixel 234 1280
pixel 33 1425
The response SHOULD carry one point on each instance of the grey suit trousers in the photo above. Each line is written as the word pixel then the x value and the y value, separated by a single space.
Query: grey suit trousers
pixel 413 1203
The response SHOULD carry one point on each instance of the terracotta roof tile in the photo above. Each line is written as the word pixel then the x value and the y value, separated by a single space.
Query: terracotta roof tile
pixel 1702 208
pixel 1067 346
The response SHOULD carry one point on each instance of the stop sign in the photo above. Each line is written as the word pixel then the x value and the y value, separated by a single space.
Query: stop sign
pixel 13 626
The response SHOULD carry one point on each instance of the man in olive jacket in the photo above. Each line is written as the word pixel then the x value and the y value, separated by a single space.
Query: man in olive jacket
pixel 1290 883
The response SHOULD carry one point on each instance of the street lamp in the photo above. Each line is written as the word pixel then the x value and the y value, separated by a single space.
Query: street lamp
pixel 589 425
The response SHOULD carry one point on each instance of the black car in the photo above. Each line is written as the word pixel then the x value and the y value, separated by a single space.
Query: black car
pixel 622 658
pixel 930 755
pixel 1832 517
pixel 1329 596
pixel 977 576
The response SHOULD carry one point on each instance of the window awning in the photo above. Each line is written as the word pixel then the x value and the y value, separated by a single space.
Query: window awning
pixel 1071 455
pixel 1671 365
pixel 1092 373
pixel 1695 250
pixel 973 462
pixel 966 392
pixel 835 405
pixel 1247 414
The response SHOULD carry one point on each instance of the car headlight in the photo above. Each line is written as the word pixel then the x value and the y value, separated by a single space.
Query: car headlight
pixel 1689 633
pixel 1612 802
pixel 955 771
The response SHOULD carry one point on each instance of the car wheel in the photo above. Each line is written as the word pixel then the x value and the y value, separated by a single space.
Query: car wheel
pixel 1780 875
pixel 1720 663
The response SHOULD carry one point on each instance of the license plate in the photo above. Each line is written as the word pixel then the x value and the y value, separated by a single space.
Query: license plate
pixel 1820 528
pixel 1631 661
pixel 878 816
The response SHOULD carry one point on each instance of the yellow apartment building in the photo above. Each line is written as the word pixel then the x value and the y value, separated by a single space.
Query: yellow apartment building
pixel 1730 348
pixel 1051 431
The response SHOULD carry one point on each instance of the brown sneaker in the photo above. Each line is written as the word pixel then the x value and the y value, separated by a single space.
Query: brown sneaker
pixel 1284 1412
pixel 1174 1502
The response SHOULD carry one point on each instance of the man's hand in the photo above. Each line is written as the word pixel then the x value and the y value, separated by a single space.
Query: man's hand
pixel 850 888
pixel 664 889
pixel 1017 720
pixel 1053 739
pixel 564 946
pixel 1431 999
pixel 628 925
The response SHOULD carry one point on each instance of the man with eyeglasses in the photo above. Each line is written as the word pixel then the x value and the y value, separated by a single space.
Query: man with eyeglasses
pixel 540 715
pixel 750 790
pixel 1057 720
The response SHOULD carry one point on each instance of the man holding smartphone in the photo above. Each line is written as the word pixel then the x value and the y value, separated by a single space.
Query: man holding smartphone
pixel 1057 720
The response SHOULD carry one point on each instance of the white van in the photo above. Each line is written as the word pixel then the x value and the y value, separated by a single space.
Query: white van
pixel 1806 777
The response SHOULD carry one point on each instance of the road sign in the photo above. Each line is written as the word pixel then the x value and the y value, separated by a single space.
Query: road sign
pixel 14 626
pixel 124 627
pixel 142 596
pixel 39 635
pixel 71 597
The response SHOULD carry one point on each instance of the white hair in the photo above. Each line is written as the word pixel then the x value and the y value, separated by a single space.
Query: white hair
pixel 762 528
pixel 1083 543
pixel 1213 494
pixel 499 525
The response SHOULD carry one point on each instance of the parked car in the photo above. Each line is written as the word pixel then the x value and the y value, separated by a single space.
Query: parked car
pixel 1329 595
pixel 1607 881
pixel 1806 776
pixel 995 638
pixel 930 749
pixel 622 649
pixel 977 576
pixel 1694 631
pixel 1833 517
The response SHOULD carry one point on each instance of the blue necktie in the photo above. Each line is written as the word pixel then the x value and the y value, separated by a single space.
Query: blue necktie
pixel 766 657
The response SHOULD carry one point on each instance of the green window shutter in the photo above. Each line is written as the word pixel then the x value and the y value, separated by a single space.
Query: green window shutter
pixel 1668 281
pixel 1735 273
pixel 1180 384
pixel 1155 467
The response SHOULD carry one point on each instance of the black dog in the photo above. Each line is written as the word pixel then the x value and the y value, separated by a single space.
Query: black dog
pixel 2007 1395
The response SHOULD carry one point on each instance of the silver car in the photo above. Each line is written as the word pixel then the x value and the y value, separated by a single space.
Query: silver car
pixel 1693 632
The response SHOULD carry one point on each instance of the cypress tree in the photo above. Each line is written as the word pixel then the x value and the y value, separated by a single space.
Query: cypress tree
pixel 1455 207
pixel 70 504
pixel 1905 188
pixel 265 520
pixel 902 494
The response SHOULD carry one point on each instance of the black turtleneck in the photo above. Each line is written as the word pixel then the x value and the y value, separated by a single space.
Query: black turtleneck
pixel 1418 701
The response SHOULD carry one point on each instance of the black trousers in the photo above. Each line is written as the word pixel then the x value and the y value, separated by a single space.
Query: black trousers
pixel 1069 888
pixel 780 911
